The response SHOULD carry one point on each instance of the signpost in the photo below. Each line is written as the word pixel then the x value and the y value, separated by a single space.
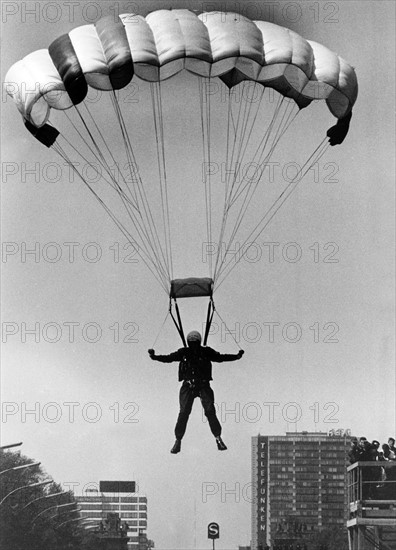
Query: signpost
pixel 213 532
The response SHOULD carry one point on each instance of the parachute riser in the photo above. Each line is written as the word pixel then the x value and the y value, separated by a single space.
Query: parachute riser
pixel 178 322
pixel 209 317
pixel 179 325
pixel 192 287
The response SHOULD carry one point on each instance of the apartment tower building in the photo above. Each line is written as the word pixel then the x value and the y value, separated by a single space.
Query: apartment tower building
pixel 298 486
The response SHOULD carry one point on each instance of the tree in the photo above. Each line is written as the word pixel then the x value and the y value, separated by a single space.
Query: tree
pixel 32 516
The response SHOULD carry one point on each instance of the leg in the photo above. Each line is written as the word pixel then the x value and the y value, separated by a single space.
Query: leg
pixel 207 400
pixel 186 400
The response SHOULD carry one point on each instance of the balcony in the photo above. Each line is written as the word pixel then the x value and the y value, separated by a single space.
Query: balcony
pixel 372 505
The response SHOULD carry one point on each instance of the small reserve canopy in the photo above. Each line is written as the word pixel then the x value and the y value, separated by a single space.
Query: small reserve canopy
pixel 191 287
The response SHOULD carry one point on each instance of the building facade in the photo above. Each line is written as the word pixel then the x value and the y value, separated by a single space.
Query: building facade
pixel 298 486
pixel 118 497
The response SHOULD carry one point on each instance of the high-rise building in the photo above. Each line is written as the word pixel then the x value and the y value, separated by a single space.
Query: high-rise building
pixel 298 486
pixel 118 497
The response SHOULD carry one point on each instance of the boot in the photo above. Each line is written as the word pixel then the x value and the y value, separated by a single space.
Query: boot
pixel 176 447
pixel 220 444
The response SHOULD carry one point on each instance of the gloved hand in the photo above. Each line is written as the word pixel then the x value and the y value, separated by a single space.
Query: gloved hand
pixel 240 353
pixel 151 352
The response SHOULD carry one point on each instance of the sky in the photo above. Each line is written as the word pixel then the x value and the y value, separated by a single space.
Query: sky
pixel 316 319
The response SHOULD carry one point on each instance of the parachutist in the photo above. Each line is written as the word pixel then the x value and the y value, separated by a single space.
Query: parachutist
pixel 195 371
pixel 339 131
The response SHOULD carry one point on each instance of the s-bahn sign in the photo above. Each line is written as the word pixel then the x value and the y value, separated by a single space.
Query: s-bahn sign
pixel 213 530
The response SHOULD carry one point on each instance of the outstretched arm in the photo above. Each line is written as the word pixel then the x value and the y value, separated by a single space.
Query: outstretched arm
pixel 218 357
pixel 175 356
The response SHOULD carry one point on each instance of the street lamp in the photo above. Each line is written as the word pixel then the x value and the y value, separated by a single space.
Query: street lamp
pixel 11 445
pixel 30 465
pixel 58 515
pixel 83 520
pixel 88 520
pixel 32 526
pixel 44 496
pixel 40 483
pixel 55 507
pixel 68 521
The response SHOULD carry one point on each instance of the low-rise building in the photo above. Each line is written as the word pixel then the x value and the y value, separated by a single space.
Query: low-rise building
pixel 118 497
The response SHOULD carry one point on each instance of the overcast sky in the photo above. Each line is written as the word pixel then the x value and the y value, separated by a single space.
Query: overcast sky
pixel 105 411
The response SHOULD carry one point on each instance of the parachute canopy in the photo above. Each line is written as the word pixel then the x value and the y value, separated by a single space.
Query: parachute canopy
pixel 108 54
pixel 226 47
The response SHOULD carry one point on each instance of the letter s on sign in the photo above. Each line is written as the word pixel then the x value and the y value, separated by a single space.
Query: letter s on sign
pixel 213 530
